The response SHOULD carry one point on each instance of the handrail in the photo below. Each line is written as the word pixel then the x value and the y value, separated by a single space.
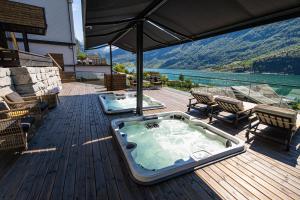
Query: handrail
pixel 56 63
pixel 234 80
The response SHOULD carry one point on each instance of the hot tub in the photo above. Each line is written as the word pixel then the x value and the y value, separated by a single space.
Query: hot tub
pixel 158 147
pixel 120 103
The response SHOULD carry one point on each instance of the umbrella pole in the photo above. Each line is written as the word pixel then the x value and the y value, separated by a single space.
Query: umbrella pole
pixel 111 71
pixel 139 71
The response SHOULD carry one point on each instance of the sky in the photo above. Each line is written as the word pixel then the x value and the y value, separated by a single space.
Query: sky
pixel 78 26
pixel 77 20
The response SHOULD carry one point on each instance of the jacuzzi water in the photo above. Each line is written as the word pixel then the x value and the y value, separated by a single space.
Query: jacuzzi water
pixel 172 142
pixel 129 101
pixel 160 146
pixel 113 103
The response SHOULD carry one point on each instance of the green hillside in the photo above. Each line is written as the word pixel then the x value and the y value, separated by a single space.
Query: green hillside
pixel 238 51
pixel 283 61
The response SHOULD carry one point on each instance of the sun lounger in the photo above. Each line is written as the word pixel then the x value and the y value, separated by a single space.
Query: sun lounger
pixel 286 119
pixel 201 98
pixel 253 95
pixel 239 109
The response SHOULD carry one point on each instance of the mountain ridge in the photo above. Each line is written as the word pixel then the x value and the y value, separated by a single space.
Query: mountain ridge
pixel 223 50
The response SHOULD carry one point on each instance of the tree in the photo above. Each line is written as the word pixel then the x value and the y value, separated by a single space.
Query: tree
pixel 120 68
pixel 81 56
pixel 181 77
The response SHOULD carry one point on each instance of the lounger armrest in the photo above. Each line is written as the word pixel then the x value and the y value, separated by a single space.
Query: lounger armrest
pixel 191 99
pixel 249 109
pixel 214 108
pixel 253 122
pixel 25 104
pixel 31 98
pixel 29 101
pixel 214 105
pixel 253 117
pixel 246 110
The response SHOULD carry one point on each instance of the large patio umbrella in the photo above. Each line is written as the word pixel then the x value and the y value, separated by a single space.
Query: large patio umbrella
pixel 142 25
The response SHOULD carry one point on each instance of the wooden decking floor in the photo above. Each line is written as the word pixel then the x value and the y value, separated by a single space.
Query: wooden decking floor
pixel 73 156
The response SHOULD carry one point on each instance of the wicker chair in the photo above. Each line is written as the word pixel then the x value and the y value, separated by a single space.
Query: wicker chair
pixel 287 120
pixel 239 109
pixel 200 98
pixel 15 127
pixel 50 99
pixel 33 103
pixel 155 82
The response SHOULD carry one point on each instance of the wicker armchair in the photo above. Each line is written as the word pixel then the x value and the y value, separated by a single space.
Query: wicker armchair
pixel 50 99
pixel 155 82
pixel 15 126
pixel 33 103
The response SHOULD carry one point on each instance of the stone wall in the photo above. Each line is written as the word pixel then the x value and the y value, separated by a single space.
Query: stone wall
pixel 6 84
pixel 31 80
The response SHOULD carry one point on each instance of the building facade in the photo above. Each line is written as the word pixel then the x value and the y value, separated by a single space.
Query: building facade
pixel 60 37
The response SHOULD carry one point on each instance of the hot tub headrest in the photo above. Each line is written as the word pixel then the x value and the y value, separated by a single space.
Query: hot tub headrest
pixel 150 117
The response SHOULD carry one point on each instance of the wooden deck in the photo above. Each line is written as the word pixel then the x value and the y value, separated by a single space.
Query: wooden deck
pixel 73 156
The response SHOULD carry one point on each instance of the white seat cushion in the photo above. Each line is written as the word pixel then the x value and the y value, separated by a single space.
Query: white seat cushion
pixel 248 105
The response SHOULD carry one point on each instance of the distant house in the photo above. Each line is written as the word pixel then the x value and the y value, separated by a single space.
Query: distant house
pixel 59 38
pixel 93 59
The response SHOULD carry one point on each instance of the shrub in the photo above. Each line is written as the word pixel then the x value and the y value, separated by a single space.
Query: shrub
pixel 296 106
pixel 120 68
pixel 164 79
pixel 81 56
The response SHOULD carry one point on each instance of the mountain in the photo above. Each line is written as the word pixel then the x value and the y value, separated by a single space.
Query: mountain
pixel 284 62
pixel 224 50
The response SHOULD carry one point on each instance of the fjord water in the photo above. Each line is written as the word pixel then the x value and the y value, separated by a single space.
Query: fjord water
pixel 285 85
pixel 173 142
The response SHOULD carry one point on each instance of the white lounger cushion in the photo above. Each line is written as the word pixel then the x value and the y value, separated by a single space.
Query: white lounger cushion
pixel 284 112
pixel 232 101
pixel 248 105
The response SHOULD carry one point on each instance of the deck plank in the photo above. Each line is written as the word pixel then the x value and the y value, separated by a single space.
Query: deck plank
pixel 86 163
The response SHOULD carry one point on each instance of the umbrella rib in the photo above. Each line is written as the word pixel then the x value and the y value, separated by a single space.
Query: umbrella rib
pixel 163 43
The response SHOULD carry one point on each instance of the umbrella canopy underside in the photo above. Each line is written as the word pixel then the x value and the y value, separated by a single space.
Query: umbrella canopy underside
pixel 174 22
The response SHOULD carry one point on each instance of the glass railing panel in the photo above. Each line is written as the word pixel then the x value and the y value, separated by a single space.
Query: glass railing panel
pixel 277 90
pixel 85 76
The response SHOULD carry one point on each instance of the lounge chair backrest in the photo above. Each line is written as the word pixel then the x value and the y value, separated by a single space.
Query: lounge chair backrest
pixel 229 104
pixel 14 97
pixel 276 116
pixel 3 107
pixel 204 98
